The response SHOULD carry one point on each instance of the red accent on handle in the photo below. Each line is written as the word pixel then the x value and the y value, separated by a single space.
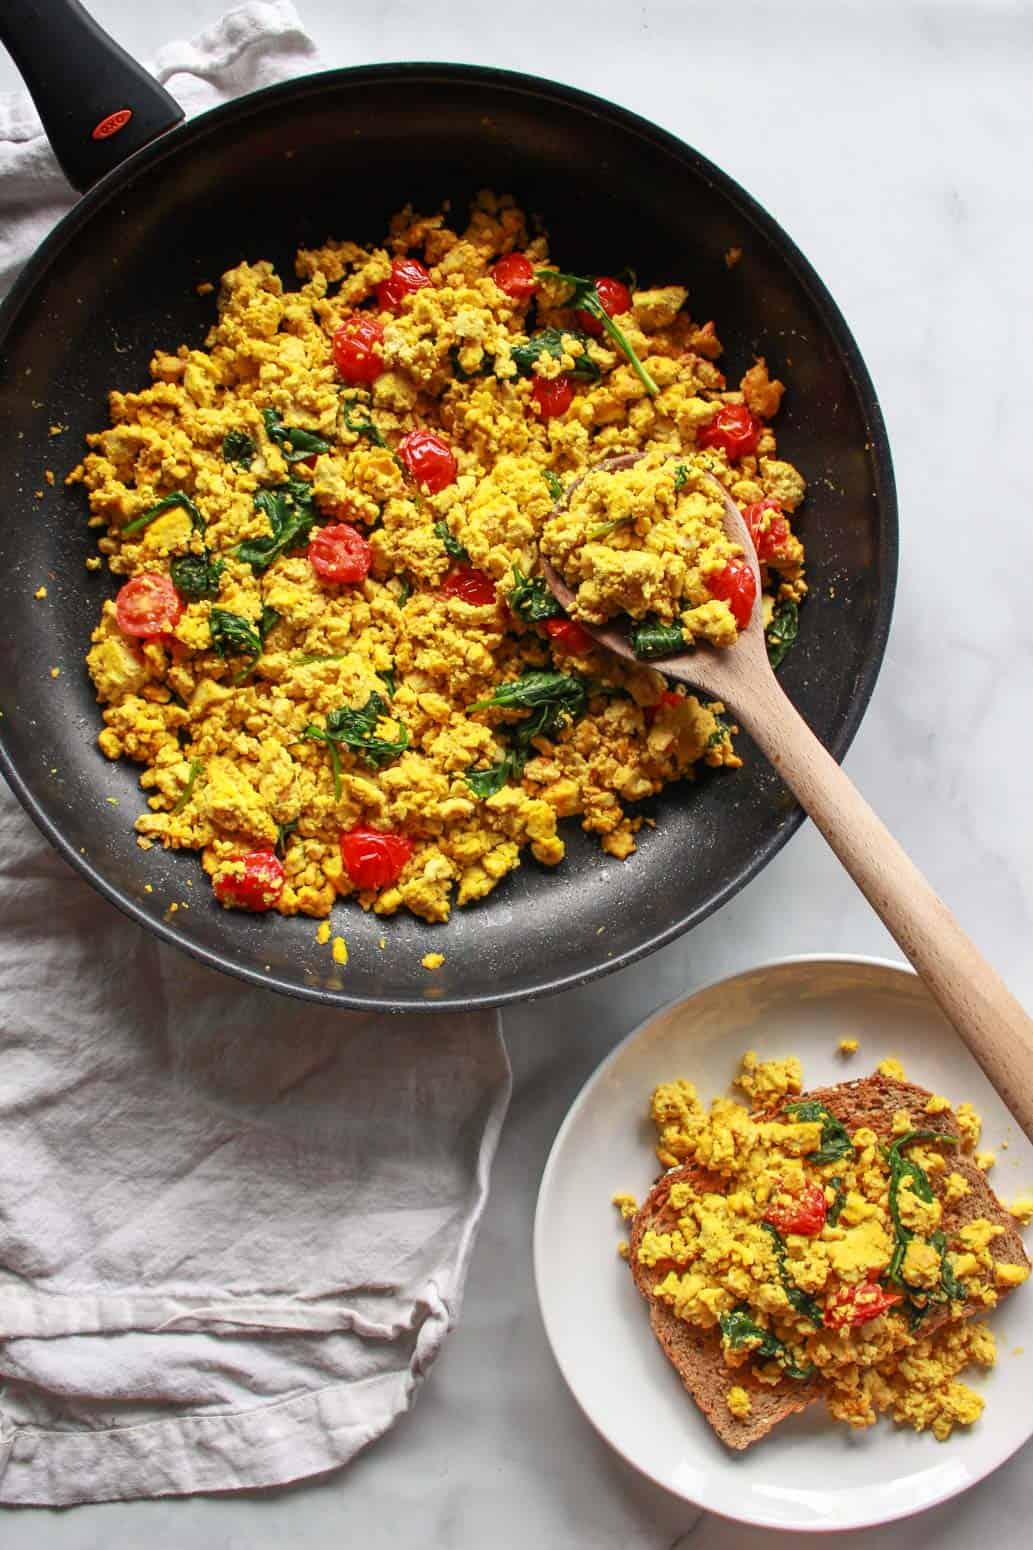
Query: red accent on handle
pixel 112 124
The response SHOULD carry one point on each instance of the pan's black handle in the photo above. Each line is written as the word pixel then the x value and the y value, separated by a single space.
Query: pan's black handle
pixel 96 103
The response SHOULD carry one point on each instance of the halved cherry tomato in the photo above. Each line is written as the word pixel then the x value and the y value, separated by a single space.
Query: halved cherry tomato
pixel 552 396
pixel 514 274
pixel 736 586
pixel 768 540
pixel 357 346
pixel 803 1213
pixel 429 459
pixel 472 585
pixel 615 297
pixel 407 276
pixel 374 858
pixel 257 888
pixel 148 605
pixel 853 1305
pixel 733 429
pixel 339 553
pixel 569 634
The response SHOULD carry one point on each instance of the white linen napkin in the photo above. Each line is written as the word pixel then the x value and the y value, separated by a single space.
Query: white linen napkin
pixel 234 1228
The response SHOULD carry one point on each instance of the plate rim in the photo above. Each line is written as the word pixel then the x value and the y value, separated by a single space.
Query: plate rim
pixel 597 1075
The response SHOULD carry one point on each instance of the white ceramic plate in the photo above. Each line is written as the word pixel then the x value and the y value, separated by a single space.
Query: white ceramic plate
pixel 810 1473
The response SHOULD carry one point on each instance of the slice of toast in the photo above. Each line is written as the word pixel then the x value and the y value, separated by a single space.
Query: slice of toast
pixel 696 1353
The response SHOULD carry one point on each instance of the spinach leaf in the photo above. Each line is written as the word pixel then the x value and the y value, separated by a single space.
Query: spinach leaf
pixel 404 592
pixel 741 1333
pixel 555 484
pixel 309 657
pixel 835 1138
pixel 283 833
pixel 349 727
pixel 904 1170
pixel 783 630
pixel 453 548
pixel 722 730
pixel 549 341
pixel 835 1209
pixel 486 367
pixel 234 636
pixel 545 720
pixel 237 447
pixel 294 442
pixel 531 599
pixel 359 427
pixel 177 498
pixel 187 792
pixel 196 576
pixel 388 680
pixel 650 639
pixel 585 296
pixel 952 1288
pixel 681 477
pixel 291 516
pixel 551 698
pixel 799 1300
pixel 268 618
pixel 484 783
pixel 601 529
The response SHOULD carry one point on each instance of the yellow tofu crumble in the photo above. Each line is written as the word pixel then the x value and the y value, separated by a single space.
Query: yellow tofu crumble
pixel 320 634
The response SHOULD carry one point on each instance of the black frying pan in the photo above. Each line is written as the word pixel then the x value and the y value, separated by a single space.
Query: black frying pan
pixel 336 154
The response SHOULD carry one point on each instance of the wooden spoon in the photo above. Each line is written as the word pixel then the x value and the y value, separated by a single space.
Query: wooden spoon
pixel 989 1019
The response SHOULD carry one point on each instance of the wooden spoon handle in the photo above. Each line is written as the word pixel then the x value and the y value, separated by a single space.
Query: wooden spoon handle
pixel 992 1023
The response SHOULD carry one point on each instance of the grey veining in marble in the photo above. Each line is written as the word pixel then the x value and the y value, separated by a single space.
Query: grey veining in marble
pixel 892 139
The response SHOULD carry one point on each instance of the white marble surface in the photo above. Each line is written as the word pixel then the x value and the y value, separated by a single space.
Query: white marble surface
pixel 892 139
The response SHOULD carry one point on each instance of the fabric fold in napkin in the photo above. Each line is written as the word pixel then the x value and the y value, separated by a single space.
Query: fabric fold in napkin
pixel 234 1228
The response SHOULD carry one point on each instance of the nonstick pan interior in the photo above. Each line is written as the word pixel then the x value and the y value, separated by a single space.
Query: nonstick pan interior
pixel 337 155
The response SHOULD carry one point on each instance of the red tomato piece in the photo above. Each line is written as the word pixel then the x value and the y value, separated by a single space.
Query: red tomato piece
pixel 733 429
pixel 668 698
pixel 429 459
pixel 407 276
pixel 374 858
pixel 804 1213
pixel 615 297
pixel 769 540
pixel 357 348
pixel 148 605
pixel 472 585
pixel 569 634
pixel 339 553
pixel 514 274
pixel 853 1305
pixel 552 396
pixel 736 586
pixel 256 888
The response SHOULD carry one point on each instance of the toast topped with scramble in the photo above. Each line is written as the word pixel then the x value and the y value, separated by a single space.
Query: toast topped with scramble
pixel 840 1245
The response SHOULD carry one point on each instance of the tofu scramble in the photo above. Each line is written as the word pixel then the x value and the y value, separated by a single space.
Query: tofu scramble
pixel 332 649
pixel 648 541
pixel 821 1256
